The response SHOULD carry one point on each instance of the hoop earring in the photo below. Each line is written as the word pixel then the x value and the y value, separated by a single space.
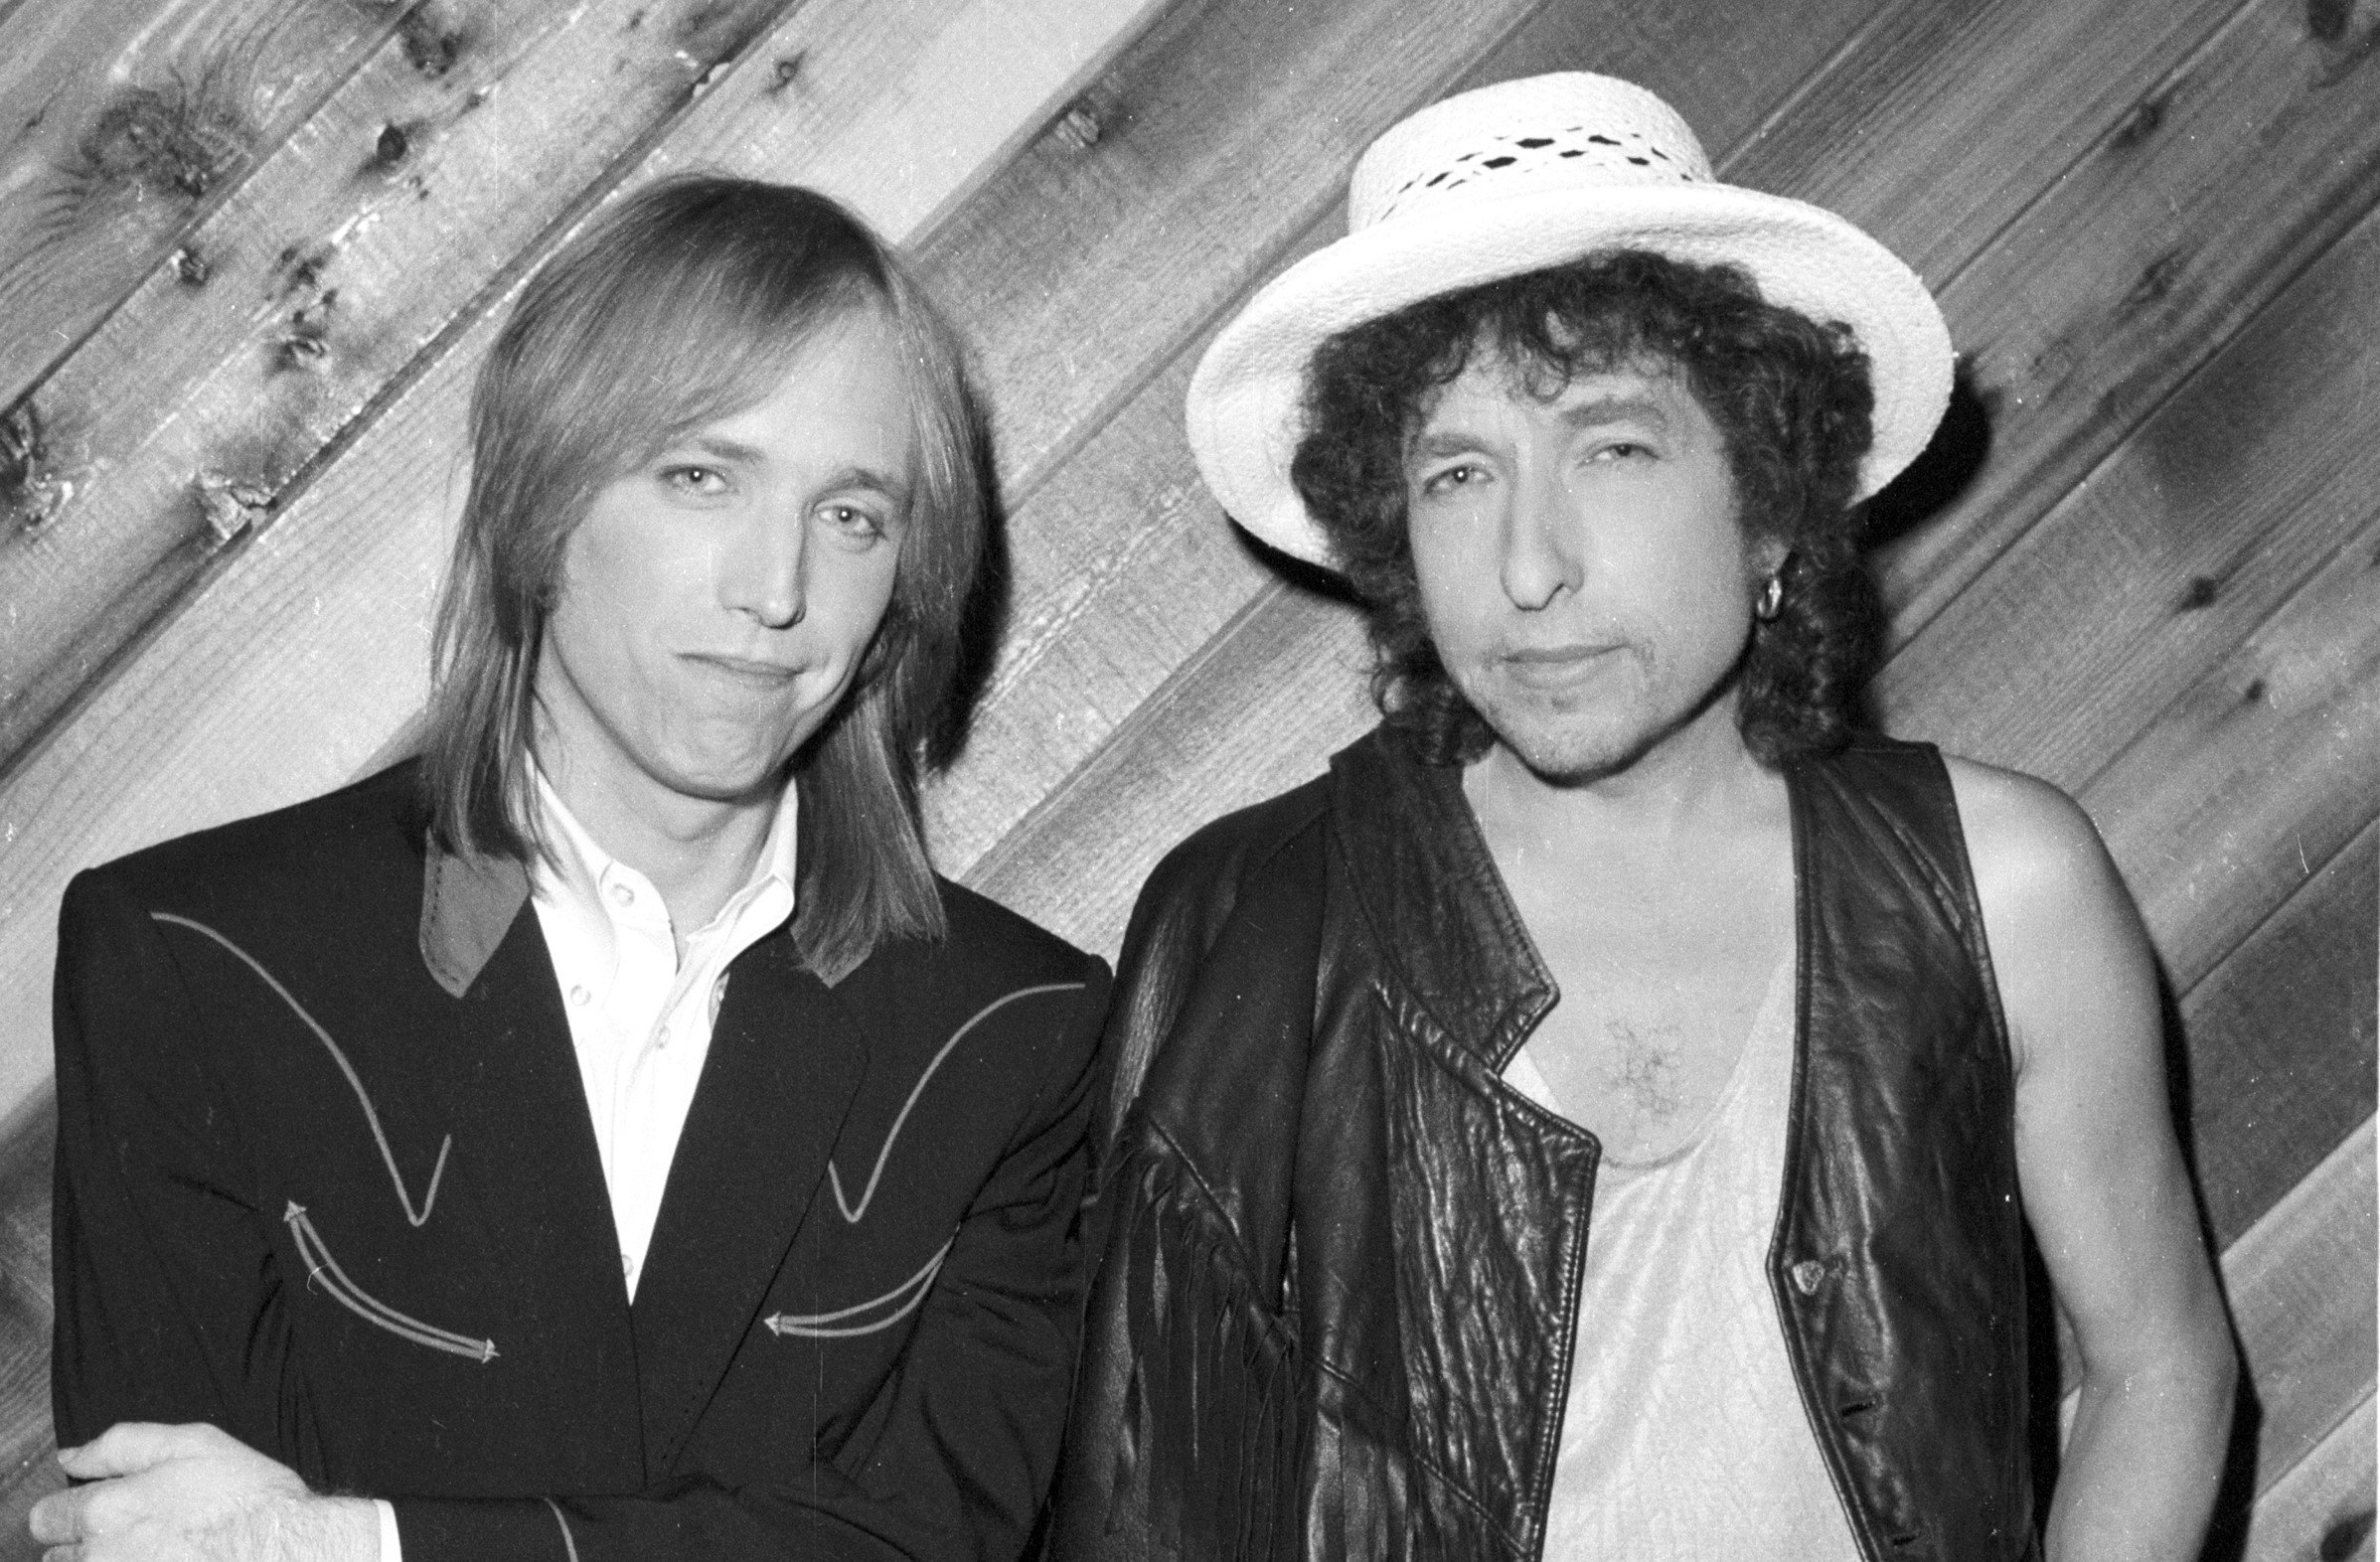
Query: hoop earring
pixel 1772 599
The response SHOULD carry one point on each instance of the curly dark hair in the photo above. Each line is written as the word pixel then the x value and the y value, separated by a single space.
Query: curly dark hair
pixel 1789 395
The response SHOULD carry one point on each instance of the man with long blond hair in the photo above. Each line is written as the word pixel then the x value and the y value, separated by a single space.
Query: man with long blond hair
pixel 604 1135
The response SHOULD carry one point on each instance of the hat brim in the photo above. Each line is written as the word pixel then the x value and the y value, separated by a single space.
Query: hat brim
pixel 1244 414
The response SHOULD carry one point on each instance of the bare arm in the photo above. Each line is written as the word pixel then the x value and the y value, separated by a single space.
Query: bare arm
pixel 2105 1189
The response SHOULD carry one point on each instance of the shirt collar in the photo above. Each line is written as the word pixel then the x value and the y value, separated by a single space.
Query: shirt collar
pixel 469 901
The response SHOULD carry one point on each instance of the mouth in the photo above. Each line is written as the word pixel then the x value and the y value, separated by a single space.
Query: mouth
pixel 1556 665
pixel 744 672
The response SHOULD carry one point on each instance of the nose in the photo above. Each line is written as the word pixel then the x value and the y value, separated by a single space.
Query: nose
pixel 763 575
pixel 1543 555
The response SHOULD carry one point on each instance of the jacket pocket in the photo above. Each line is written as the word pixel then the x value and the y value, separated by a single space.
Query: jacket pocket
pixel 324 1270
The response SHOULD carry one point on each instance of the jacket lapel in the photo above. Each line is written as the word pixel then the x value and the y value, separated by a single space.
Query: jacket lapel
pixel 786 1057
pixel 526 1173
pixel 1445 919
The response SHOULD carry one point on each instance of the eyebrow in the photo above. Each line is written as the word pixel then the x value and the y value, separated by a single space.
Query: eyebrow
pixel 728 449
pixel 1591 413
pixel 1598 410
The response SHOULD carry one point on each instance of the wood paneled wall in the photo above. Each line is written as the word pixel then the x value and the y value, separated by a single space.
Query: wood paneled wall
pixel 250 252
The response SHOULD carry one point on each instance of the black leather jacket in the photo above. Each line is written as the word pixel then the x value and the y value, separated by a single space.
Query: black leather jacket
pixel 1342 1257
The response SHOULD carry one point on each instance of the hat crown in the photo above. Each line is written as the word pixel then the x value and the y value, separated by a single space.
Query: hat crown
pixel 1571 131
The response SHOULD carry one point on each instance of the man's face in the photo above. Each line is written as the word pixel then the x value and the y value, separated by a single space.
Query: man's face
pixel 1582 569
pixel 717 600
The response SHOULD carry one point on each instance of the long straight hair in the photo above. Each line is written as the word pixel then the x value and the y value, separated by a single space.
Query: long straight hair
pixel 686 303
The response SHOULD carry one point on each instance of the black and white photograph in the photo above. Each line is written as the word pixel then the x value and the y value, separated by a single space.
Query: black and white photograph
pixel 1190 780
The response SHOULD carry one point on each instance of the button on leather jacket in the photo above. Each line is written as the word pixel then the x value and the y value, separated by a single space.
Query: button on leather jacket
pixel 1337 1307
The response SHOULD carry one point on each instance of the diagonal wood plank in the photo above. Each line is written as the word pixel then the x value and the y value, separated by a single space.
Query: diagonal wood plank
pixel 1091 258
pixel 2185 538
pixel 2282 1038
pixel 185 419
pixel 2003 100
pixel 2323 1509
pixel 294 668
pixel 2225 802
pixel 2302 1300
pixel 131 119
pixel 2071 345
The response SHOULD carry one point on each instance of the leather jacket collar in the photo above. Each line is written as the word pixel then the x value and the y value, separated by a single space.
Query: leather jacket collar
pixel 1424 879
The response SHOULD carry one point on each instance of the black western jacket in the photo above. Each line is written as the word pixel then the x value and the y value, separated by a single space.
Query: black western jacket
pixel 1342 1262
pixel 326 1178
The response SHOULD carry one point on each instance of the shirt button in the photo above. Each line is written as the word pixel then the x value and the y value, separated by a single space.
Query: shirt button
pixel 1806 1275
pixel 622 895
pixel 581 997
pixel 627 1267
pixel 661 1038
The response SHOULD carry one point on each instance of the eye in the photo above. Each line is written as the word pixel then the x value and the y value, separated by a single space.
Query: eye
pixel 1447 480
pixel 852 521
pixel 699 481
pixel 1623 450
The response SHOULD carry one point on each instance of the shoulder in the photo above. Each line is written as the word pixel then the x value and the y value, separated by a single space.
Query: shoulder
pixel 2026 839
pixel 2064 936
pixel 1217 865
pixel 326 849
pixel 994 975
pixel 985 934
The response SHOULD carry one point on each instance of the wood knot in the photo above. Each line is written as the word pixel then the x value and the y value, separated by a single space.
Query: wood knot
pixel 30 494
pixel 2157 280
pixel 390 149
pixel 2327 20
pixel 2345 1537
pixel 788 71
pixel 432 42
pixel 190 267
pixel 1078 127
pixel 230 507
pixel 2138 125
pixel 162 141
pixel 301 268
pixel 2200 592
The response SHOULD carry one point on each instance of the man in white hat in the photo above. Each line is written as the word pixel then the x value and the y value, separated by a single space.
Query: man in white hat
pixel 1601 1117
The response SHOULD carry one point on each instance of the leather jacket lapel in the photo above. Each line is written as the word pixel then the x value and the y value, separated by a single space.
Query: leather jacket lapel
pixel 786 1057
pixel 1444 917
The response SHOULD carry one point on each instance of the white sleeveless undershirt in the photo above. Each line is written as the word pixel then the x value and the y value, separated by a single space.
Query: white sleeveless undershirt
pixel 1684 1436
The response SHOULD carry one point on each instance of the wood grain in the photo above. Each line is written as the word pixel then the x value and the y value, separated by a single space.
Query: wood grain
pixel 128 121
pixel 2323 1509
pixel 1223 136
pixel 2281 1040
pixel 2260 771
pixel 2189 534
pixel 184 421
pixel 2301 1298
pixel 309 648
pixel 1947 122
pixel 2143 258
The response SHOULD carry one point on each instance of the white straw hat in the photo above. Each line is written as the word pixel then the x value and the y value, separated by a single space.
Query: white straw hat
pixel 1515 178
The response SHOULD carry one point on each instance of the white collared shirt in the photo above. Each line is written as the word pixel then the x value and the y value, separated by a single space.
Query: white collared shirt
pixel 640 1016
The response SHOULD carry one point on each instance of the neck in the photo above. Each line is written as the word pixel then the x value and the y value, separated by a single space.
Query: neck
pixel 697 851
pixel 1698 782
